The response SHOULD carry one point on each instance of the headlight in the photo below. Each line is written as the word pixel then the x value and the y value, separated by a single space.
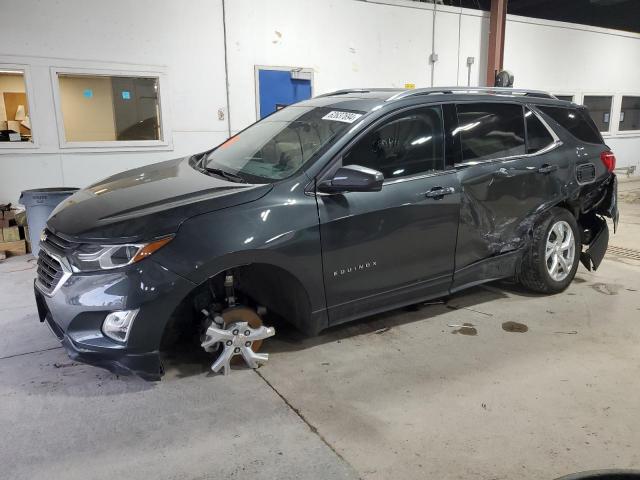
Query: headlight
pixel 89 257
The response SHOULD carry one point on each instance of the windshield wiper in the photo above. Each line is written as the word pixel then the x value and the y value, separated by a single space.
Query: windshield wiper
pixel 226 175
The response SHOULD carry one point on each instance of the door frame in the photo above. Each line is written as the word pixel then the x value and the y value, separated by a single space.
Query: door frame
pixel 256 75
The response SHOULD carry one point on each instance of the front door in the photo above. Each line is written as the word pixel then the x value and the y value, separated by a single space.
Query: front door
pixel 389 248
pixel 278 88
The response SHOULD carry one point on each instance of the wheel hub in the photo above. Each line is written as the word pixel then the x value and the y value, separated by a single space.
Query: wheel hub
pixel 560 251
pixel 241 336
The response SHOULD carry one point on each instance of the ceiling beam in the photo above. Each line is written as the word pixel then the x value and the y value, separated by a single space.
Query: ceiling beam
pixel 497 22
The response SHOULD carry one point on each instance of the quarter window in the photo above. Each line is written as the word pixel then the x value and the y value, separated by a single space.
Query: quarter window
pixel 538 136
pixel 599 110
pixel 490 130
pixel 407 144
pixel 104 108
pixel 630 114
pixel 576 121
pixel 15 123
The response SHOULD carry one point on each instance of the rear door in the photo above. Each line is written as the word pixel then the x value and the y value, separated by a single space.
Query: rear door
pixel 506 175
pixel 382 249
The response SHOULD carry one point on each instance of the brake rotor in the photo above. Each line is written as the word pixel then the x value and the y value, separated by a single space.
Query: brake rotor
pixel 243 314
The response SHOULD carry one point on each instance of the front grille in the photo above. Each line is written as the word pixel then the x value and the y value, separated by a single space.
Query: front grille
pixel 586 173
pixel 55 242
pixel 49 271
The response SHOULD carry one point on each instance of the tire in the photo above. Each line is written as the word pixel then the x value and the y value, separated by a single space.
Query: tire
pixel 538 272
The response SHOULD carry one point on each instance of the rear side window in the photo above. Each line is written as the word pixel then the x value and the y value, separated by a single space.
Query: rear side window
pixel 490 130
pixel 407 144
pixel 538 137
pixel 576 121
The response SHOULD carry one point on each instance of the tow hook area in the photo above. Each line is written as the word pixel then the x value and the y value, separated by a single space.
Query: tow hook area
pixel 237 332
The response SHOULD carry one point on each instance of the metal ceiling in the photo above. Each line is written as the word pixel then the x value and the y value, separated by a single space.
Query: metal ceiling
pixel 616 14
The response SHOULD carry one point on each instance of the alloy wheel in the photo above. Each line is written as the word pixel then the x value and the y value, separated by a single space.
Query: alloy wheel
pixel 560 251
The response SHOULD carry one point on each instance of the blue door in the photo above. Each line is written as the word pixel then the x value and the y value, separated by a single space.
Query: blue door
pixel 277 89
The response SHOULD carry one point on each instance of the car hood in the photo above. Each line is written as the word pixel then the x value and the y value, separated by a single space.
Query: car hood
pixel 145 203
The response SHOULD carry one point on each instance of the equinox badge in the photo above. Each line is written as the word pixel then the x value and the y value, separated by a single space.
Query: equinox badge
pixel 355 268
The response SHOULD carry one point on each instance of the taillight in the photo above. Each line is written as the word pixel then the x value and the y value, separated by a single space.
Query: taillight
pixel 608 160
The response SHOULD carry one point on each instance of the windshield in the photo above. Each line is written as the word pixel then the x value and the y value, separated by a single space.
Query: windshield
pixel 278 146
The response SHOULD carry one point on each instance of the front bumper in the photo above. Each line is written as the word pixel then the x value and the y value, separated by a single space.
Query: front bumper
pixel 77 309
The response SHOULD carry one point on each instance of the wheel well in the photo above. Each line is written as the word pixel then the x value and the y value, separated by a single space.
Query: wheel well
pixel 277 289
pixel 256 284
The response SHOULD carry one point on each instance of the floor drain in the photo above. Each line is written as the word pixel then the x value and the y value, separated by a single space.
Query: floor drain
pixel 623 252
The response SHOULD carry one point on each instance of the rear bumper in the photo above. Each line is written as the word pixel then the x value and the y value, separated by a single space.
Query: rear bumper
pixel 76 312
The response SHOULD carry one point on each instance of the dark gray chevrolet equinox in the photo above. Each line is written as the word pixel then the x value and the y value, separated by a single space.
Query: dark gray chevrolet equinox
pixel 329 210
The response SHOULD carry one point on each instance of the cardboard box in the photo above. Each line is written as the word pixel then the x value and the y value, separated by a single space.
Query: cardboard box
pixel 14 248
pixel 11 234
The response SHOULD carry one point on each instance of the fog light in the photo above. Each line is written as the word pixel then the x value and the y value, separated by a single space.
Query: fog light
pixel 117 325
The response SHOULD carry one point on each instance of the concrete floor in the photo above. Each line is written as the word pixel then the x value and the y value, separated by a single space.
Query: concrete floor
pixel 399 395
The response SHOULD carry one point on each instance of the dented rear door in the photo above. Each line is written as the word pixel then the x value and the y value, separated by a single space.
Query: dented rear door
pixel 506 178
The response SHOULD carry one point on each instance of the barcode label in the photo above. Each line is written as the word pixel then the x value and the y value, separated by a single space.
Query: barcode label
pixel 346 117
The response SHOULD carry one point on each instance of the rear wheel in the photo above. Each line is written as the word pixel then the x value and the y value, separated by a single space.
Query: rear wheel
pixel 552 259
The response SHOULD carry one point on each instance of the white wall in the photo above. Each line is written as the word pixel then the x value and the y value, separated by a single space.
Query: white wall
pixel 186 42
pixel 347 43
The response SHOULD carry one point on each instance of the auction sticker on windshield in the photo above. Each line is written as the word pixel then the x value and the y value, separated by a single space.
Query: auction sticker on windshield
pixel 346 117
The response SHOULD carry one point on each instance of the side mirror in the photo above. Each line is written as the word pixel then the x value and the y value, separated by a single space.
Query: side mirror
pixel 353 178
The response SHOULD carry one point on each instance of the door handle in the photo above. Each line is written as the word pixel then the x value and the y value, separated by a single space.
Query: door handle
pixel 439 192
pixel 546 168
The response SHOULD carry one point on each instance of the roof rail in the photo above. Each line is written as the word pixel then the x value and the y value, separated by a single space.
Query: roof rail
pixel 494 90
pixel 357 90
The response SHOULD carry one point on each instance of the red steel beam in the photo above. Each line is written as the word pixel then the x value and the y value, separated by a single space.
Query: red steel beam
pixel 497 24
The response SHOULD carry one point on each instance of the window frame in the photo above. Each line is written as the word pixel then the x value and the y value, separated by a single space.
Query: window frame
pixel 625 133
pixel 531 106
pixel 166 143
pixel 28 88
pixel 385 120
pixel 337 160
pixel 613 129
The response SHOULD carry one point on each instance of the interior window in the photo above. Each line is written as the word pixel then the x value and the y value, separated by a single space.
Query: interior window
pixel 600 110
pixel 15 125
pixel 538 137
pixel 97 108
pixel 407 144
pixel 630 114
pixel 490 130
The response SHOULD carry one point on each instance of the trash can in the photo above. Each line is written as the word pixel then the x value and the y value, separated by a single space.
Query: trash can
pixel 39 203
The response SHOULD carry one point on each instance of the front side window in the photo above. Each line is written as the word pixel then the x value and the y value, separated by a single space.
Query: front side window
pixel 630 114
pixel 279 145
pixel 538 137
pixel 105 108
pixel 600 110
pixel 15 124
pixel 576 121
pixel 490 130
pixel 409 143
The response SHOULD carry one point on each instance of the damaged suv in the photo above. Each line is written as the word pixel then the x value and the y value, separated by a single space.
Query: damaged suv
pixel 329 210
